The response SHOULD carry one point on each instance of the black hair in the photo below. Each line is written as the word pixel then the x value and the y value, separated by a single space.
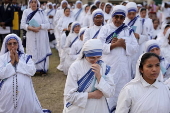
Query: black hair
pixel 93 7
pixel 143 9
pixel 147 56
pixel 168 25
pixel 70 23
pixel 66 8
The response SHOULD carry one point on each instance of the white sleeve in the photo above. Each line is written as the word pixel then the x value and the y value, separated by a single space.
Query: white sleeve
pixel 67 44
pixel 73 52
pixel 132 47
pixel 6 70
pixel 59 25
pixel 23 21
pixel 102 36
pixel 63 40
pixel 124 101
pixel 106 86
pixel 85 22
pixel 56 17
pixel 46 24
pixel 26 68
pixel 70 91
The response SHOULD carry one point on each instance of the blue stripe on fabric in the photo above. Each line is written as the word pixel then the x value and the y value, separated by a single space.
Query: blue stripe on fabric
pixel 2 82
pixel 132 10
pixel 29 56
pixel 119 13
pixel 107 69
pixel 96 34
pixel 94 52
pixel 46 111
pixel 79 51
pixel 132 22
pixel 75 26
pixel 85 81
pixel 30 16
pixel 117 31
pixel 152 46
pixel 77 14
pixel 43 58
pixel 98 14
pixel 73 41
pixel 49 12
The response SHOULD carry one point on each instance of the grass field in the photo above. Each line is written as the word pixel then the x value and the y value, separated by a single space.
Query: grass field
pixel 49 89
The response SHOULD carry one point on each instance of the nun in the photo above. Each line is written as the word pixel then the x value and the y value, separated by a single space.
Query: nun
pixel 119 44
pixel 107 11
pixel 89 82
pixel 77 46
pixel 98 21
pixel 36 23
pixel 70 40
pixel 17 94
pixel 77 12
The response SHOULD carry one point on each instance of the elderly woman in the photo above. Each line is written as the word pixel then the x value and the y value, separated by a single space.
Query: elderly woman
pixel 36 23
pixel 17 93
pixel 146 93
pixel 88 82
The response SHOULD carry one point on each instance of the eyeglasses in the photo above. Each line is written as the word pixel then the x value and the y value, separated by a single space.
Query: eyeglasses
pixel 12 43
pixel 98 18
pixel 119 17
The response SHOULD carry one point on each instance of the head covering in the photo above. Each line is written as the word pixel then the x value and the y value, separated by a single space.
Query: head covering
pixel 119 10
pixel 139 5
pixel 94 14
pixel 124 2
pixel 105 7
pixel 89 11
pixel 81 32
pixel 149 45
pixel 96 1
pixel 38 3
pixel 92 47
pixel 146 12
pixel 9 37
pixel 131 7
pixel 62 2
pixel 73 25
pixel 78 2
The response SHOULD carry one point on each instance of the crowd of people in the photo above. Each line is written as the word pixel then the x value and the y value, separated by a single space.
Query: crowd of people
pixel 116 57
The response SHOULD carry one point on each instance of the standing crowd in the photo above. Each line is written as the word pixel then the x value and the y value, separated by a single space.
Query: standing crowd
pixel 116 57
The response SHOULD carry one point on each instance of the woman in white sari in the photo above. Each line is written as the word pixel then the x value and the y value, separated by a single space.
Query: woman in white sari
pixel 70 40
pixel 35 22
pixel 146 93
pixel 17 93
pixel 88 82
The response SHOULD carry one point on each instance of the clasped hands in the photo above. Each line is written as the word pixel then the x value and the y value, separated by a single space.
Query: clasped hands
pixel 118 43
pixel 14 57
pixel 97 94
